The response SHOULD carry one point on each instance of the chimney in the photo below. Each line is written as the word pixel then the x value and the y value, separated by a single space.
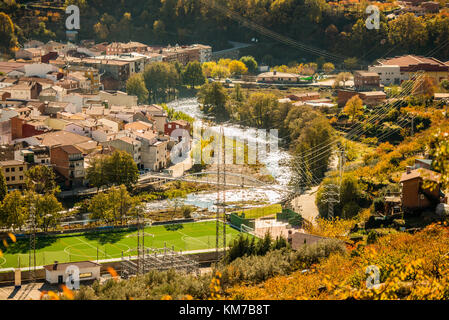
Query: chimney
pixel 409 169
pixel 55 265
pixel 274 72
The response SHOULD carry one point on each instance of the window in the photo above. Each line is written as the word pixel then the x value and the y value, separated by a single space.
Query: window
pixel 7 178
pixel 21 178
pixel 85 275
pixel 7 170
pixel 13 169
pixel 21 169
pixel 13 178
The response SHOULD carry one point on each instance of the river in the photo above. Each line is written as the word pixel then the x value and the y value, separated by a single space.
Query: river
pixel 275 162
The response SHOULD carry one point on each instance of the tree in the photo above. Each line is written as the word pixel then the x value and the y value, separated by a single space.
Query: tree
pixel 208 67
pixel 351 196
pixel 237 68
pixel 213 98
pixel 14 210
pixel 7 33
pixel 328 67
pixel 407 31
pixel 48 209
pixel 424 86
pixel 193 74
pixel 220 72
pixel 354 107
pixel 160 79
pixel 135 86
pixel 444 85
pixel 114 206
pixel 3 186
pixel 260 106
pixel 250 63
pixel 342 77
pixel 41 179
pixel 118 168
pixel 309 129
pixel 351 63
pixel 95 172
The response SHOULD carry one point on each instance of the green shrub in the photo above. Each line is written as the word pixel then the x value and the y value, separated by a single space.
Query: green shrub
pixel 372 237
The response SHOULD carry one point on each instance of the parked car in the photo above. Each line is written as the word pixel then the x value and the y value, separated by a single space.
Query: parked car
pixel 228 80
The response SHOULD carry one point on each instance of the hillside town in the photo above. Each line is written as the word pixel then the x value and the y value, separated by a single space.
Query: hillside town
pixel 302 158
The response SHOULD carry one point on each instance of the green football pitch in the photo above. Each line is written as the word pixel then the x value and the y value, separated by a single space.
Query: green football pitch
pixel 110 245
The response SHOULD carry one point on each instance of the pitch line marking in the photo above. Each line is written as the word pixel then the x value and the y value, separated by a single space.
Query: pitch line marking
pixel 96 248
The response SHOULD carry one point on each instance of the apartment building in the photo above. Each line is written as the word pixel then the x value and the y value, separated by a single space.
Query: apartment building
pixel 14 173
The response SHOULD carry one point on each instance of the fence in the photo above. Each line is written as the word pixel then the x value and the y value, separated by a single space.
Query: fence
pixel 237 221
pixel 288 215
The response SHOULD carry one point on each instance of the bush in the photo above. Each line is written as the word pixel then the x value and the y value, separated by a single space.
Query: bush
pixel 398 223
pixel 350 210
pixel 379 205
pixel 372 237
pixel 187 211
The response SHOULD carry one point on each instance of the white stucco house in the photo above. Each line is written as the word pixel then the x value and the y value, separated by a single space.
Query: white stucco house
pixel 57 273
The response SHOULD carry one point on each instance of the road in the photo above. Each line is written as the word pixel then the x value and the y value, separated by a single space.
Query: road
pixel 305 204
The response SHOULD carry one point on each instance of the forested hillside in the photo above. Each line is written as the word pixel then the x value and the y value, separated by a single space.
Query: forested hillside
pixel 337 26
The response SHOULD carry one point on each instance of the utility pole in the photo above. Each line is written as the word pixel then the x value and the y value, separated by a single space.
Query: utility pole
pixel 32 249
pixel 220 240
pixel 332 193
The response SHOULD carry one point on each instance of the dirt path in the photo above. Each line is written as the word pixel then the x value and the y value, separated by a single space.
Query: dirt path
pixel 305 204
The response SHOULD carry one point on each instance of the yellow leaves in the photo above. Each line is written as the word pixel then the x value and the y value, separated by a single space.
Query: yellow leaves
pixel 67 292
pixel 50 294
pixel 335 228
pixel 12 237
pixel 215 288
pixel 113 273
pixel 166 297
pixel 411 267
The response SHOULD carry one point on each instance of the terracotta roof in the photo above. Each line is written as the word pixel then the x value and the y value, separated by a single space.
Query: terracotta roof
pixel 69 149
pixel 7 67
pixel 422 173
pixel 128 140
pixel 410 61
pixel 367 73
pixel 63 266
pixel 278 75
pixel 61 138
pixel 138 125
pixel 11 163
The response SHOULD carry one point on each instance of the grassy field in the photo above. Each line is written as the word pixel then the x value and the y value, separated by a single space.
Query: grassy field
pixel 108 245
pixel 260 212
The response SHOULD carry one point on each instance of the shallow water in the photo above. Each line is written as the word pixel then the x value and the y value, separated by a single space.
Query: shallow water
pixel 275 162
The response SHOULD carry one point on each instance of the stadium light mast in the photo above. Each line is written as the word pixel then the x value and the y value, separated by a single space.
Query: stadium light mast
pixel 220 241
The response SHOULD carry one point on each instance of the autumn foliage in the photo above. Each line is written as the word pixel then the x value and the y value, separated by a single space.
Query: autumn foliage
pixel 412 266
